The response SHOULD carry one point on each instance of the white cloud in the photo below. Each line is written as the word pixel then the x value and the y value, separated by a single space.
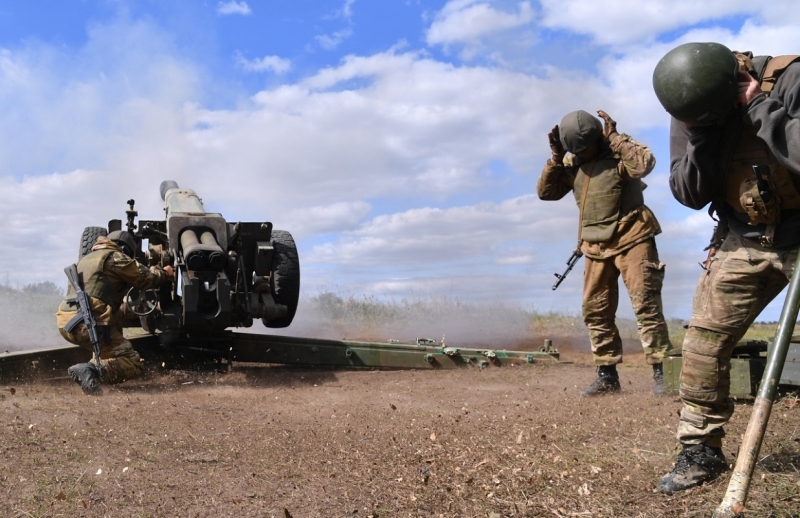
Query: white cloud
pixel 415 128
pixel 467 21
pixel 27 227
pixel 12 70
pixel 335 217
pixel 347 8
pixel 233 7
pixel 331 41
pixel 274 64
pixel 430 234
pixel 625 22
pixel 85 110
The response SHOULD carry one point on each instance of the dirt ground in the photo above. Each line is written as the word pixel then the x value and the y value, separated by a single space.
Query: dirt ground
pixel 272 441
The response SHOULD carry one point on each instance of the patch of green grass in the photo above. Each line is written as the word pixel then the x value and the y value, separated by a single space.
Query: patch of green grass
pixel 761 331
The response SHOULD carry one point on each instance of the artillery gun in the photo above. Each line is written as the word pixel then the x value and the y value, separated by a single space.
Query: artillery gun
pixel 227 274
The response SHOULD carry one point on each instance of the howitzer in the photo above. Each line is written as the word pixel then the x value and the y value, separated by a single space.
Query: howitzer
pixel 227 274
pixel 576 254
pixel 84 314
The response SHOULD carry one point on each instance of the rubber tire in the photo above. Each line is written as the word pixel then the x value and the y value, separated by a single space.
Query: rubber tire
pixel 286 272
pixel 89 236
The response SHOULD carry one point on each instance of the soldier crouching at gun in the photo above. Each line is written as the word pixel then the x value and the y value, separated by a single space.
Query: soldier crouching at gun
pixel 616 234
pixel 106 274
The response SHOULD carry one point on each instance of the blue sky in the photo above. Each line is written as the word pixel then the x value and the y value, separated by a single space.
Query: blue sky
pixel 399 141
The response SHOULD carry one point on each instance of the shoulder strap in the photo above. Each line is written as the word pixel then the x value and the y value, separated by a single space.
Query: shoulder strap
pixel 773 69
pixel 583 198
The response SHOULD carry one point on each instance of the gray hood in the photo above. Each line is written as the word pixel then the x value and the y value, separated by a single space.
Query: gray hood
pixel 579 130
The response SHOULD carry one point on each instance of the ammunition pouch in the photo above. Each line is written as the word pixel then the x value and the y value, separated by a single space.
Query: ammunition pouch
pixel 755 206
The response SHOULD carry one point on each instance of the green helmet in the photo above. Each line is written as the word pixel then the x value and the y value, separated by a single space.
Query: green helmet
pixel 697 83
pixel 579 130
pixel 124 240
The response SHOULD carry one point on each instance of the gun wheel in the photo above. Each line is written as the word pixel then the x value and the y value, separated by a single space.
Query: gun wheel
pixel 88 238
pixel 141 302
pixel 285 277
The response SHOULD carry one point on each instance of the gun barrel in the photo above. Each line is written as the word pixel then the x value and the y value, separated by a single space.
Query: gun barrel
pixel 203 253
pixel 189 243
pixel 165 186
pixel 216 256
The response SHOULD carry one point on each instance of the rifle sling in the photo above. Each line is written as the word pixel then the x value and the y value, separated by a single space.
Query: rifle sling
pixel 583 200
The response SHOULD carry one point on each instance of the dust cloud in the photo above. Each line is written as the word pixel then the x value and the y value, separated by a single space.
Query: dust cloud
pixel 27 317
pixel 497 326
pixel 27 321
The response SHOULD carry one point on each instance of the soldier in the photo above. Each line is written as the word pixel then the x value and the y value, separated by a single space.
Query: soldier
pixel 616 234
pixel 108 271
pixel 723 125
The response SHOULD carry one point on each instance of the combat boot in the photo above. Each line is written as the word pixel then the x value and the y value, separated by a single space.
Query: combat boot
pixel 658 380
pixel 695 464
pixel 607 382
pixel 86 375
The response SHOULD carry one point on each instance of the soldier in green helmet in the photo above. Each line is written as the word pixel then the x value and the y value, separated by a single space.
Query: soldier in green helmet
pixel 108 271
pixel 617 233
pixel 733 145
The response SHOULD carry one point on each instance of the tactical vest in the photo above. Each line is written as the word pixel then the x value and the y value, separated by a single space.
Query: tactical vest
pixel 609 198
pixel 95 282
pixel 740 186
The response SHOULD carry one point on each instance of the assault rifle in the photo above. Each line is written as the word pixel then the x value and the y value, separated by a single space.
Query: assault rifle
pixel 84 313
pixel 576 254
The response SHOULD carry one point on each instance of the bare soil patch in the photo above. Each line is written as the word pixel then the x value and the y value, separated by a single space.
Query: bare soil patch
pixel 265 440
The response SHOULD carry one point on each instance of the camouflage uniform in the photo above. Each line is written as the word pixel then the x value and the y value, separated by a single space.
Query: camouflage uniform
pixel 118 273
pixel 754 262
pixel 618 238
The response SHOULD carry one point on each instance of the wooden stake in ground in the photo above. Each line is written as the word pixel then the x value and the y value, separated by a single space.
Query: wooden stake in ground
pixel 734 502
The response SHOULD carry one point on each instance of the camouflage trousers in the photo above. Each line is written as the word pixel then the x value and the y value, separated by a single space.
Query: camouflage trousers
pixel 119 359
pixel 643 275
pixel 743 278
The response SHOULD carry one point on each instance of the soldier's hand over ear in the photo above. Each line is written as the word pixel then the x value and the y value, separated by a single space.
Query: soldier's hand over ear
pixel 555 146
pixel 749 88
pixel 609 124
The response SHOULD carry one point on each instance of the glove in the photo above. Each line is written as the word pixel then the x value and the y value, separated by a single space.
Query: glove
pixel 609 125
pixel 555 146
